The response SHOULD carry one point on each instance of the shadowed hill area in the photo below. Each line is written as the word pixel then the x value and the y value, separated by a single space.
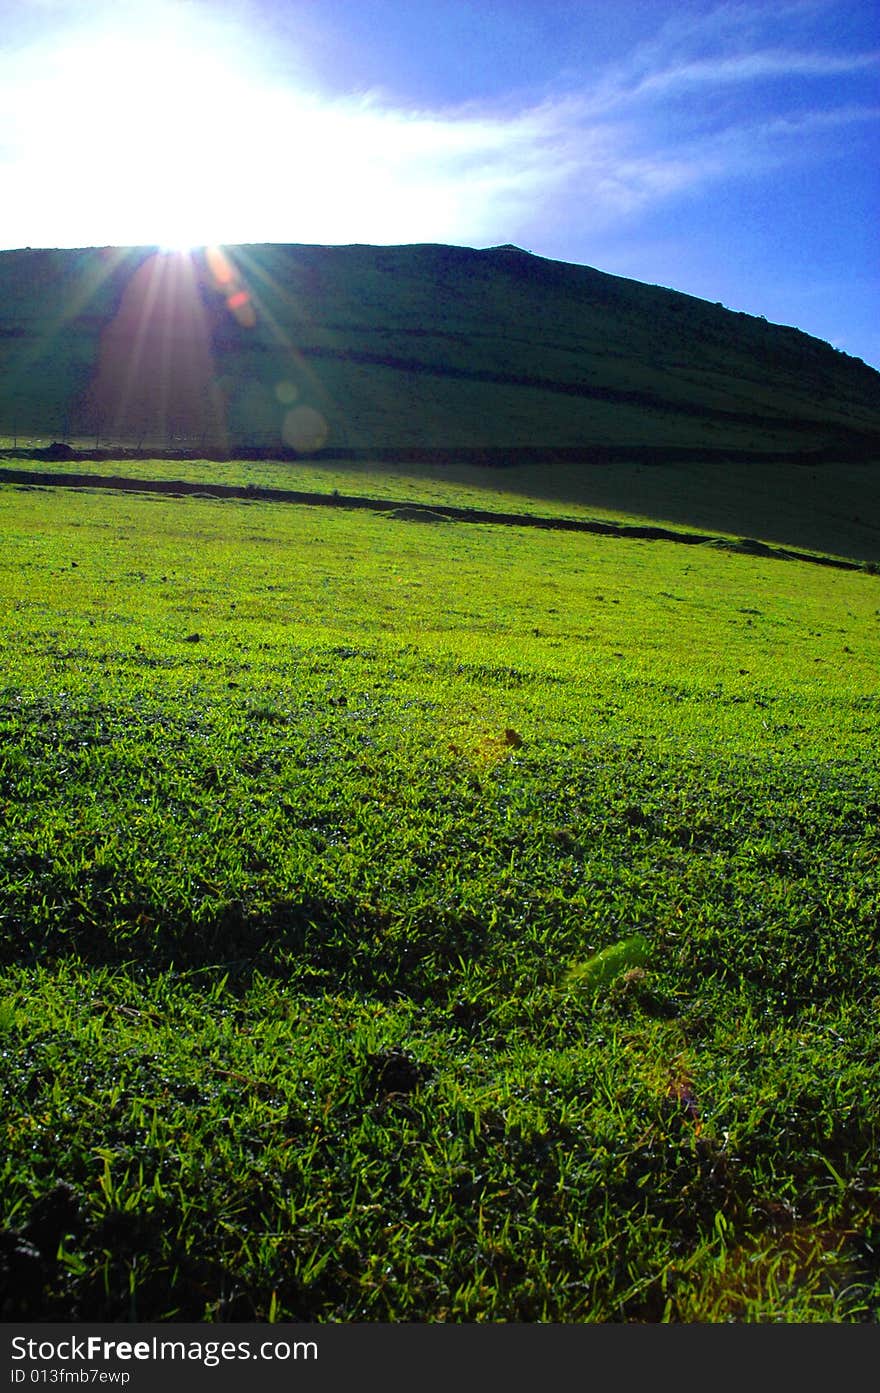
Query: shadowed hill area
pixel 444 356
pixel 430 346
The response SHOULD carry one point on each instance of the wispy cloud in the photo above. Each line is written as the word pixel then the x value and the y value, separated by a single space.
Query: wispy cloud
pixel 712 96
pixel 804 122
pixel 751 67
pixel 260 159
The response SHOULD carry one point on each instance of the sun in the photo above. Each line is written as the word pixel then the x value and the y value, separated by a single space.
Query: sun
pixel 179 246
pixel 171 164
pixel 186 132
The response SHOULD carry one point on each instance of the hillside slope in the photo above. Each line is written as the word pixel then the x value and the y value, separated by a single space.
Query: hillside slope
pixel 493 355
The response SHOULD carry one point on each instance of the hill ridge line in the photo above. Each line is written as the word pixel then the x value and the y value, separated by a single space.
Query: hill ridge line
pixel 249 492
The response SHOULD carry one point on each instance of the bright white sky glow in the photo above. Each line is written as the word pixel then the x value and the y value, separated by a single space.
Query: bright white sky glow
pixel 181 144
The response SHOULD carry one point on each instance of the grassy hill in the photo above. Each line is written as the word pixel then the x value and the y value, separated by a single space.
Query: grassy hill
pixel 407 918
pixel 586 388
pixel 432 346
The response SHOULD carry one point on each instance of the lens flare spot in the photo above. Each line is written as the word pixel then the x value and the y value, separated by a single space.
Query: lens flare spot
pixel 241 306
pixel 286 392
pixel 228 282
pixel 220 266
pixel 304 429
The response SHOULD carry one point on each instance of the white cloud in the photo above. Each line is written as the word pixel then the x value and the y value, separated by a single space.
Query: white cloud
pixel 751 67
pixel 113 135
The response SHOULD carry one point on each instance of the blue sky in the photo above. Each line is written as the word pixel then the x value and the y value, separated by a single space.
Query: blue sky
pixel 725 149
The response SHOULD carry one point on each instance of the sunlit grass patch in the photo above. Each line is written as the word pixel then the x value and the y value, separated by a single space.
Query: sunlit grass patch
pixel 787 502
pixel 432 923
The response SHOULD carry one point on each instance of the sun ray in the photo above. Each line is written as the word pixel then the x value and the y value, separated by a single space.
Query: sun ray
pixel 299 426
pixel 155 374
pixel 98 270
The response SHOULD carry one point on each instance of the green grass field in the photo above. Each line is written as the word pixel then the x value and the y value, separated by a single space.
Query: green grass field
pixel 827 508
pixel 414 921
